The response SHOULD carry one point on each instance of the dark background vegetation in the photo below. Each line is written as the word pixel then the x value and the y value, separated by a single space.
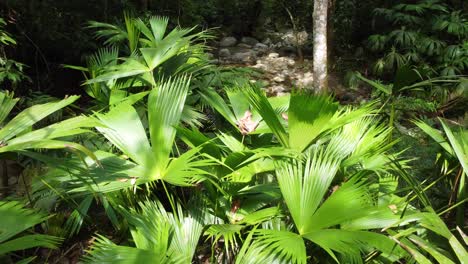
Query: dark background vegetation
pixel 51 32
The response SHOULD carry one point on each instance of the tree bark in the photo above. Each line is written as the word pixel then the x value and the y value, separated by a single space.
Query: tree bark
pixel 320 45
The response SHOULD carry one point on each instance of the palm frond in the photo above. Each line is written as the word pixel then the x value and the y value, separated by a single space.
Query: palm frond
pixel 228 232
pixel 123 128
pixel 32 115
pixel 350 243
pixel 105 251
pixel 273 246
pixel 159 236
pixel 7 102
pixel 16 219
pixel 165 106
pixel 260 103
pixel 304 185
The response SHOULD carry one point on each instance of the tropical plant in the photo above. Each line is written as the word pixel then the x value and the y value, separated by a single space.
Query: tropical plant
pixel 455 144
pixel 321 122
pixel 150 53
pixel 242 182
pixel 16 135
pixel 411 90
pixel 141 159
pixel 159 237
pixel 16 219
pixel 10 70
pixel 426 34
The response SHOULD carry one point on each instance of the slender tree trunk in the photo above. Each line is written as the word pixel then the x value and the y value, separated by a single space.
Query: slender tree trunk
pixel 320 45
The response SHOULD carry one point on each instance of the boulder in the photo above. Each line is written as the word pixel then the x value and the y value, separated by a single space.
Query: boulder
pixel 244 45
pixel 249 41
pixel 279 78
pixel 295 38
pixel 243 57
pixel 306 80
pixel 260 46
pixel 228 42
pixel 277 90
pixel 224 53
pixel 267 42
pixel 273 55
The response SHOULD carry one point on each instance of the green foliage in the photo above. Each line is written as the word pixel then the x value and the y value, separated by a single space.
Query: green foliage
pixel 428 34
pixel 10 70
pixel 456 145
pixel 17 135
pixel 138 55
pixel 290 179
pixel 413 94
pixel 159 237
pixel 16 219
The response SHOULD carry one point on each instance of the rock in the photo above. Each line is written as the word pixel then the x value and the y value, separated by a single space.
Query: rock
pixel 224 53
pixel 273 55
pixel 277 89
pixel 290 62
pixel 279 78
pixel 260 66
pixel 295 39
pixel 245 57
pixel 228 42
pixel 244 45
pixel 306 80
pixel 288 49
pixel 260 46
pixel 209 55
pixel 261 49
pixel 249 41
pixel 267 42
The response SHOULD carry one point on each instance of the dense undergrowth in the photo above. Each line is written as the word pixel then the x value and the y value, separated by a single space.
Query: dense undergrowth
pixel 177 160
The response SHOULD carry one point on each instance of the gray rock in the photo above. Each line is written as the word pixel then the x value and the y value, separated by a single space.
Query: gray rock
pixel 244 45
pixel 295 38
pixel 267 41
pixel 279 78
pixel 249 41
pixel 305 80
pixel 228 42
pixel 245 57
pixel 261 46
pixel 260 66
pixel 224 53
pixel 273 55
pixel 288 49
pixel 277 90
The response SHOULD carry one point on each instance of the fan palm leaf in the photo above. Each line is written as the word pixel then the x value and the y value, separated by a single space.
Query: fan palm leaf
pixel 159 236
pixel 144 159
pixel 16 219
pixel 15 135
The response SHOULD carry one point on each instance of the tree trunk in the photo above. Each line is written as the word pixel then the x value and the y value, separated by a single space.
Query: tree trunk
pixel 320 45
